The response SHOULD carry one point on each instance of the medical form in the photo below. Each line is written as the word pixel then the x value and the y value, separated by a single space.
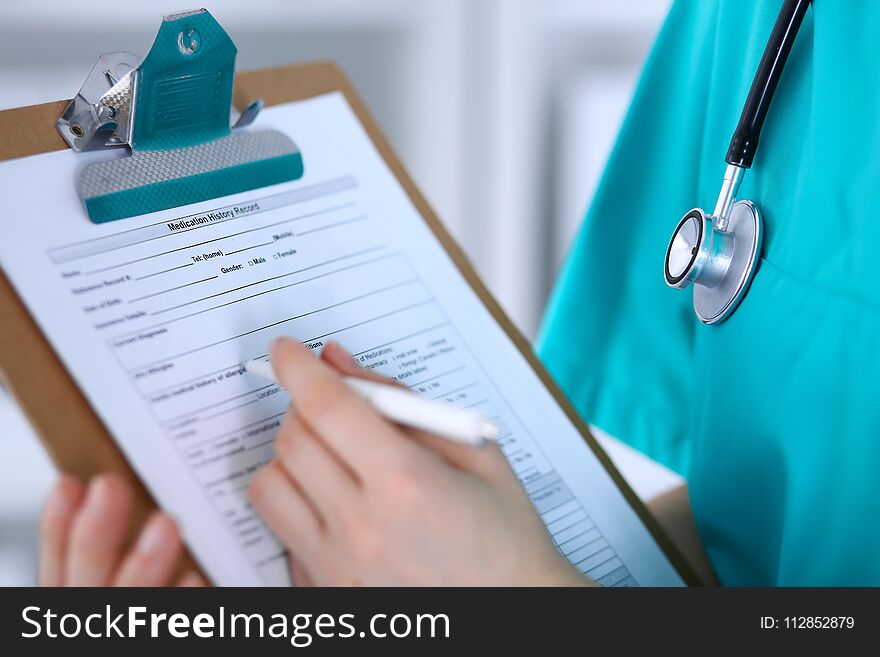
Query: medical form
pixel 153 316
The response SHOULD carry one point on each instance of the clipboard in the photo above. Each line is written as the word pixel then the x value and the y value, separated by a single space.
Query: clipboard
pixel 71 432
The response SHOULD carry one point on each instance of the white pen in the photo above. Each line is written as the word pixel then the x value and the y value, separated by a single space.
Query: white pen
pixel 406 408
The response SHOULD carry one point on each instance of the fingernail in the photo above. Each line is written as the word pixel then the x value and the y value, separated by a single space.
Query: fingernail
pixel 98 496
pixel 276 344
pixel 62 497
pixel 155 535
pixel 340 349
pixel 191 579
pixel 66 488
pixel 67 481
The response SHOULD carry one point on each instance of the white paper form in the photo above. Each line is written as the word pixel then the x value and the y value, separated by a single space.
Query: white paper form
pixel 152 316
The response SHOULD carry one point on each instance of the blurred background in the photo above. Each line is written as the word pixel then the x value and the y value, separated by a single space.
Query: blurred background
pixel 504 112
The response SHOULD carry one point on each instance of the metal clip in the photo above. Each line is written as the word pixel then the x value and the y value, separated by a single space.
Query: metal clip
pixel 102 115
pixel 103 105
pixel 173 109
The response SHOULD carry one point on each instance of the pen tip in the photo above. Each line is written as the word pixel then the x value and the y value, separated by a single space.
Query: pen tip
pixel 488 431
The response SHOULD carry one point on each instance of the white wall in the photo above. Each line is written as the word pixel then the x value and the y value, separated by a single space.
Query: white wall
pixel 503 110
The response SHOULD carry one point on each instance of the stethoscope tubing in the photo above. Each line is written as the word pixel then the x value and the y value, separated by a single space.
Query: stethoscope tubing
pixel 744 142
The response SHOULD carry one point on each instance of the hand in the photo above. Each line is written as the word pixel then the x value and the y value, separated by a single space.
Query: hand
pixel 83 532
pixel 360 501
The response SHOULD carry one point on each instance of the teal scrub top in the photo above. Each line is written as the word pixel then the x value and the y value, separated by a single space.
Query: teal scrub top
pixel 773 416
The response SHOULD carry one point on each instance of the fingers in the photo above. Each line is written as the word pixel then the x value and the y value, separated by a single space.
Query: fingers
pixel 83 536
pixel 98 532
pixel 284 507
pixel 329 482
pixel 58 514
pixel 154 557
pixel 191 580
pixel 333 411
pixel 300 575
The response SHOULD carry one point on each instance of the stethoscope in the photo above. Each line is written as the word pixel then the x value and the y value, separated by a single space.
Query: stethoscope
pixel 719 253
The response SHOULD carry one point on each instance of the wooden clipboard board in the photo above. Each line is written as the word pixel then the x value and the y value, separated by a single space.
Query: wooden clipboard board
pixel 77 441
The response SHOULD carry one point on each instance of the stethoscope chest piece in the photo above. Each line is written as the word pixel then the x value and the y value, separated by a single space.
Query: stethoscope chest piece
pixel 718 253
pixel 715 303
pixel 719 263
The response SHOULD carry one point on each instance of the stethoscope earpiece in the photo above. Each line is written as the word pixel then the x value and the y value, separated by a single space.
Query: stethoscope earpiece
pixel 718 253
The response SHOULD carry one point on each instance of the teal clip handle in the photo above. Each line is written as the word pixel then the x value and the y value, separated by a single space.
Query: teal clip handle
pixel 183 149
pixel 184 84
